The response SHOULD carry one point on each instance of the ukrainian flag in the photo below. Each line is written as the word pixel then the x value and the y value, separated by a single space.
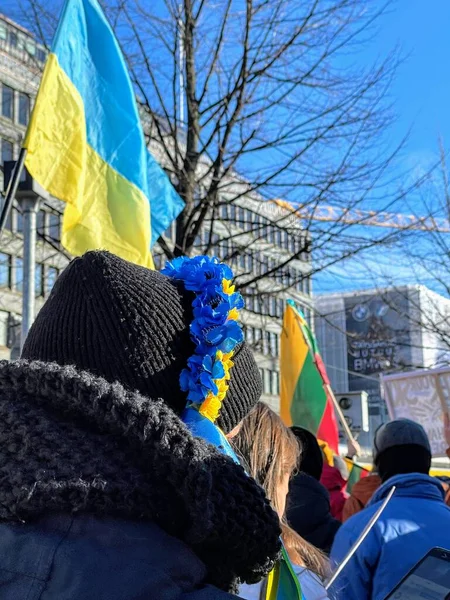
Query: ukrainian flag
pixel 86 144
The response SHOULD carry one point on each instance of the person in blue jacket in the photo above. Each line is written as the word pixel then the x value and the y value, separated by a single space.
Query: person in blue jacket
pixel 105 494
pixel 415 520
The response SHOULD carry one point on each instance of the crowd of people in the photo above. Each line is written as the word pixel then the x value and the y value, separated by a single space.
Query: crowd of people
pixel 106 493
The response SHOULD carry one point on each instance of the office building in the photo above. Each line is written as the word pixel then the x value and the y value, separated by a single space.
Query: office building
pixel 362 334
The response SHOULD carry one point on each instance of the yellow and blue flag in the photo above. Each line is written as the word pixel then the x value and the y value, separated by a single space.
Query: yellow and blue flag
pixel 282 582
pixel 86 146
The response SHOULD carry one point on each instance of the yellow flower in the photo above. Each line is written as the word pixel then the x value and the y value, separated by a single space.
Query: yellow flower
pixel 227 287
pixel 233 315
pixel 210 408
pixel 226 361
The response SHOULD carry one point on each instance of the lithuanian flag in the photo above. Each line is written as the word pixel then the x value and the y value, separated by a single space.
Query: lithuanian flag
pixel 86 146
pixel 305 400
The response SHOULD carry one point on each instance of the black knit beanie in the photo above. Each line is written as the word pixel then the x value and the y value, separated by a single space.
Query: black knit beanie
pixel 126 323
pixel 311 458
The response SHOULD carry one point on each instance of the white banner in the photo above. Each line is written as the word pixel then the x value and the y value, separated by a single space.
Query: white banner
pixel 422 396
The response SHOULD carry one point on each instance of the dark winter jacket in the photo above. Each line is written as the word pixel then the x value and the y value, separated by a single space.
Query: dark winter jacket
pixel 86 558
pixel 308 512
pixel 104 494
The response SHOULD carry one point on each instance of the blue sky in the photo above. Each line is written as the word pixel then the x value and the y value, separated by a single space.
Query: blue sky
pixel 421 91
pixel 421 99
pixel 420 94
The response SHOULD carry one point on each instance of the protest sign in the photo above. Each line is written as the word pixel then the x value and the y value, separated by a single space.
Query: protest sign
pixel 422 396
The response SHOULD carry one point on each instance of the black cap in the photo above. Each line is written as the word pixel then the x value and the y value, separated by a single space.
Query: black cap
pixel 129 324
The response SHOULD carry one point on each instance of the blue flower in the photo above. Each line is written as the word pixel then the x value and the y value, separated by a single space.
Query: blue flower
pixel 197 272
pixel 226 337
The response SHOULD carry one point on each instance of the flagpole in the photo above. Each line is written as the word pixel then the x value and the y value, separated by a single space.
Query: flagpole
pixel 30 206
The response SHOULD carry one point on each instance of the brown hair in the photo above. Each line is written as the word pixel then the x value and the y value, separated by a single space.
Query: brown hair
pixel 270 450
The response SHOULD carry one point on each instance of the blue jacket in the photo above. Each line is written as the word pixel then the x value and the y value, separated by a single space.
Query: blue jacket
pixel 415 520
pixel 88 558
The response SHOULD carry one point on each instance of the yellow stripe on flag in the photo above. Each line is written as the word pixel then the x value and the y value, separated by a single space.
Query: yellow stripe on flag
pixel 294 351
pixel 104 210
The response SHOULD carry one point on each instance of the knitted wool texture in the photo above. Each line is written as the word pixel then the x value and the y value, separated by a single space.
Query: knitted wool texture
pixel 72 442
pixel 126 323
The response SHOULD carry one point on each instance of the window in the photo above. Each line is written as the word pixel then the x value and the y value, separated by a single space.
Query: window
pixel 19 220
pixel 250 262
pixel 7 102
pixel 275 383
pixel 263 308
pixel 264 264
pixel 270 234
pixel 24 109
pixel 7 151
pixel 224 212
pixel 40 222
pixel 30 48
pixel 241 217
pixel 157 261
pixel 52 275
pixel 3 32
pixel 38 281
pixel 232 212
pixel 4 321
pixel 40 55
pixel 19 274
pixel 278 237
pixel 267 382
pixel 256 302
pixel 308 286
pixel 249 335
pixel 54 227
pixel 293 244
pixel 13 39
pixel 273 306
pixel 261 374
pixel 5 270
pixel 266 342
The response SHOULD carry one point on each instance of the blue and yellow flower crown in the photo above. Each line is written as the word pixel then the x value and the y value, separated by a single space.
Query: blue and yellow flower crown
pixel 214 330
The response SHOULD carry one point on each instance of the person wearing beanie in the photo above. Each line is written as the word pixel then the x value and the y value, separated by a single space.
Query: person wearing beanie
pixel 308 505
pixel 105 493
pixel 415 520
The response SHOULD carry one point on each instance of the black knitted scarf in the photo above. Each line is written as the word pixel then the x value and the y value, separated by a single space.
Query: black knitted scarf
pixel 71 442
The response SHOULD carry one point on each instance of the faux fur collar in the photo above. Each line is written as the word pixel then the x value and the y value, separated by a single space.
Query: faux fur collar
pixel 71 442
